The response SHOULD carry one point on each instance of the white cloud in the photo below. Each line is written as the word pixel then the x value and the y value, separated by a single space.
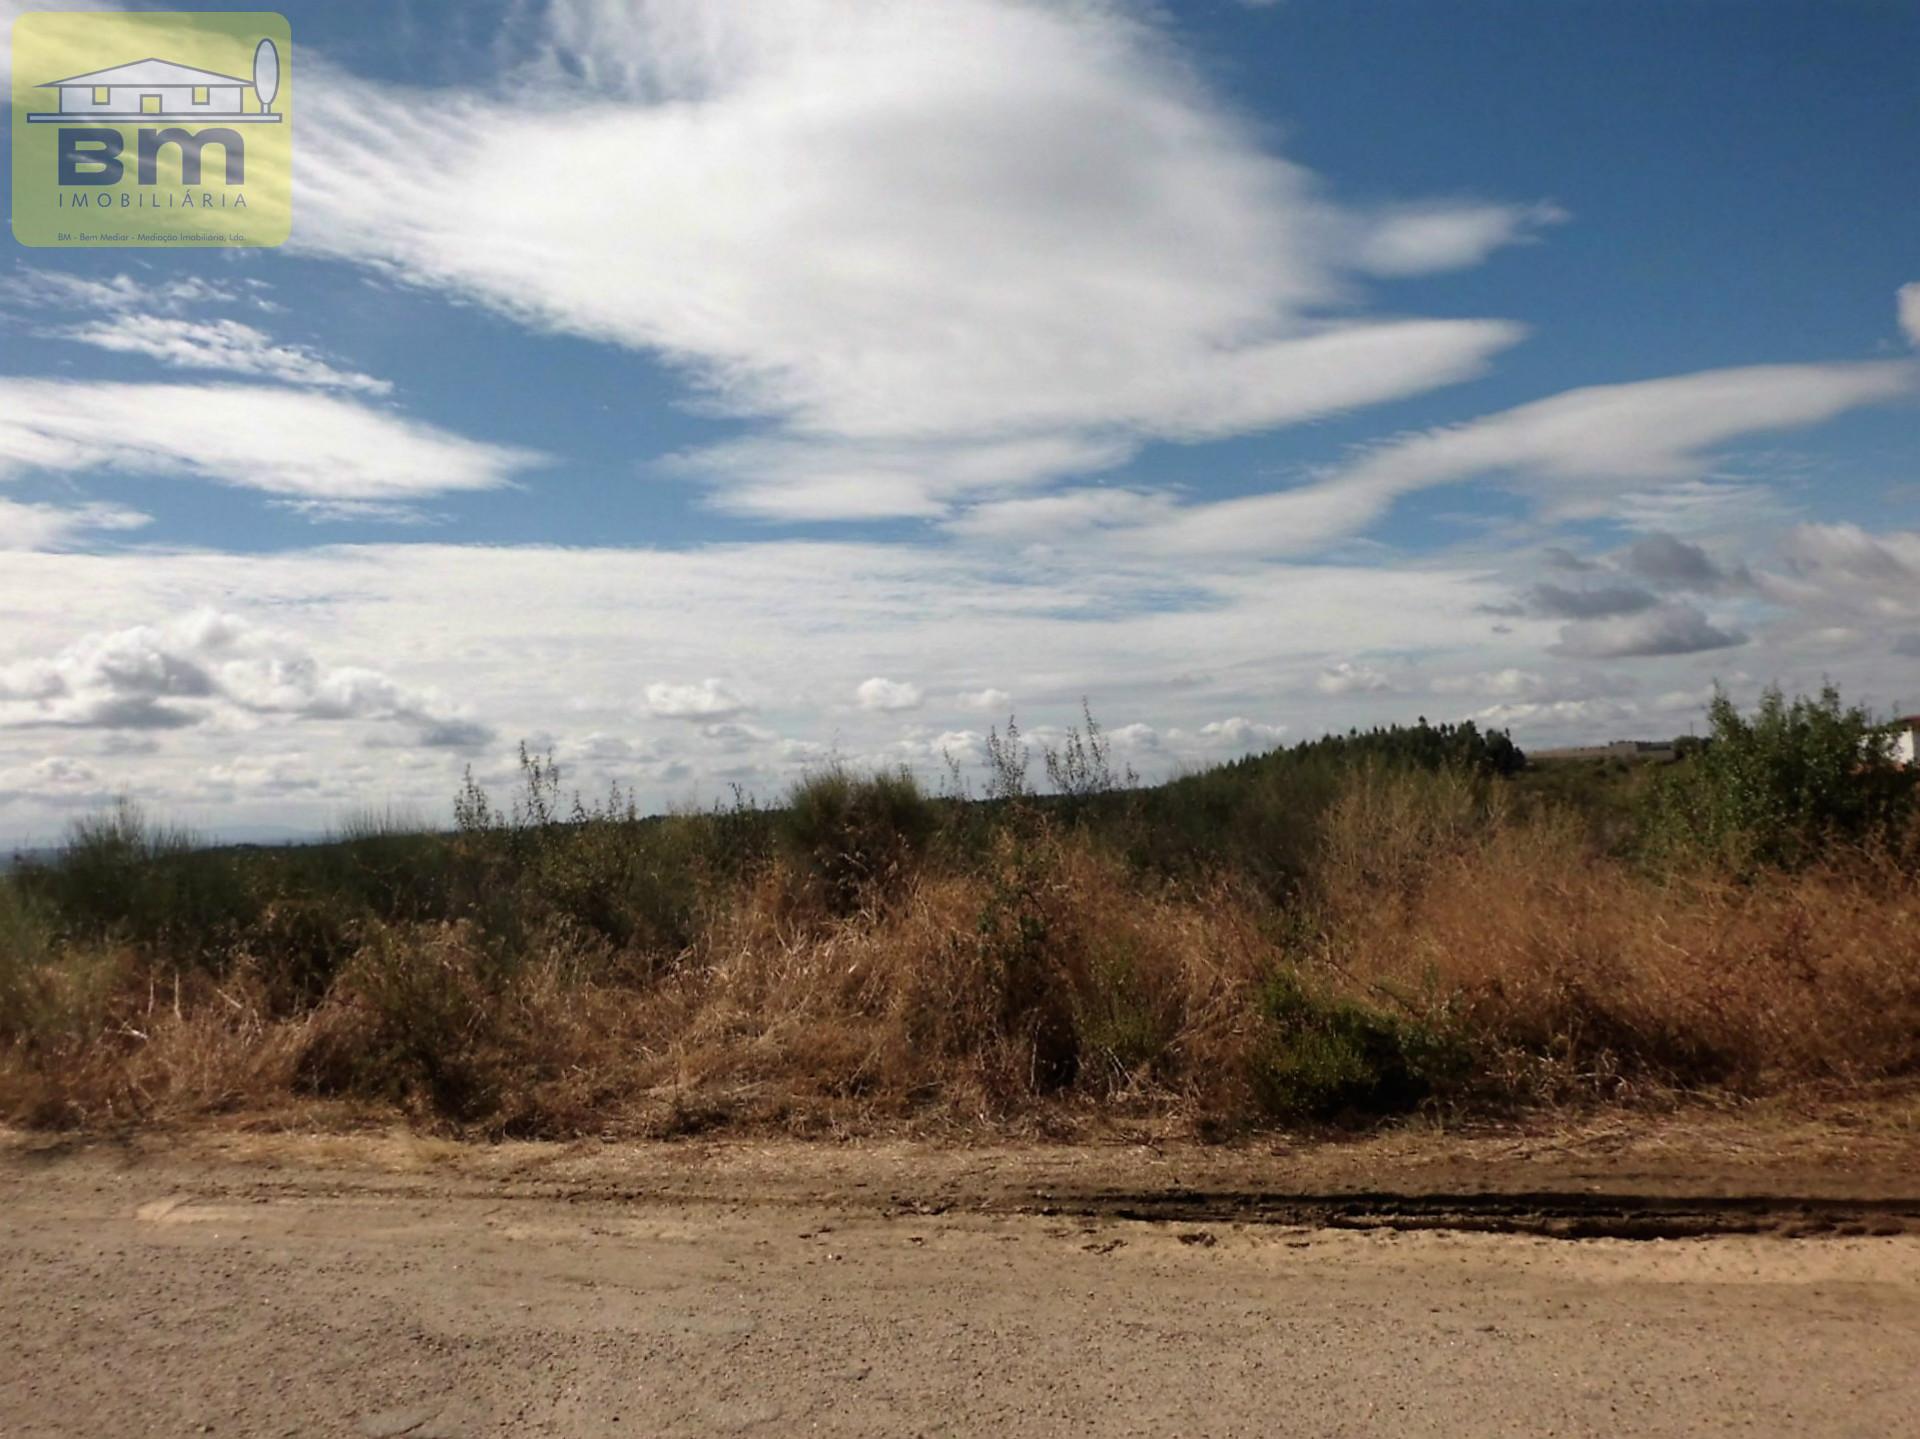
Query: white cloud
pixel 210 668
pixel 1237 733
pixel 219 345
pixel 1061 516
pixel 1573 455
pixel 1841 574
pixel 887 695
pixel 986 701
pixel 1559 717
pixel 544 639
pixel 710 699
pixel 1510 683
pixel 165 294
pixel 283 442
pixel 1847 552
pixel 46 527
pixel 1347 677
pixel 1134 738
pixel 57 782
pixel 1671 629
pixel 959 245
pixel 795 480
pixel 1421 239
pixel 1909 306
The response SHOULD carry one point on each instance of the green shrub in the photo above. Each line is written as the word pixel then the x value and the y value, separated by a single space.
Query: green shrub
pixel 1333 1059
pixel 1777 787
pixel 1124 1028
pixel 856 836
pixel 122 878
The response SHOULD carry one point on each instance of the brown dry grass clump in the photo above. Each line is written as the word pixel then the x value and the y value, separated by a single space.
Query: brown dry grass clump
pixel 1580 974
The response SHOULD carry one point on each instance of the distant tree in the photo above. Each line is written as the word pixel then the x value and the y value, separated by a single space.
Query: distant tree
pixel 1422 745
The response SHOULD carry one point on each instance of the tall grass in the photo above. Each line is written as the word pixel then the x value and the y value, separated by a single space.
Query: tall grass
pixel 1332 934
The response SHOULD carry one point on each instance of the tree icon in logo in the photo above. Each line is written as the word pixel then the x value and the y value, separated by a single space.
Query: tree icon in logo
pixel 266 74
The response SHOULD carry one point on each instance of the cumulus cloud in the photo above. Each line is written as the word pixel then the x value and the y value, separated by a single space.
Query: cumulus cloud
pixel 1672 629
pixel 964 243
pixel 283 442
pixel 1560 715
pixel 1237 733
pixel 710 699
pixel 887 695
pixel 1910 312
pixel 986 701
pixel 219 345
pixel 206 668
pixel 57 782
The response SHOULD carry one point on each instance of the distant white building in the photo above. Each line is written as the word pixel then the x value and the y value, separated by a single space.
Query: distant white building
pixel 1906 740
pixel 159 88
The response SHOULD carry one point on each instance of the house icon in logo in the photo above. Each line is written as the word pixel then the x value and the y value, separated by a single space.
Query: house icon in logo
pixel 162 89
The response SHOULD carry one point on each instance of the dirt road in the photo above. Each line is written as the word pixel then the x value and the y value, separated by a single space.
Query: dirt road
pixel 392 1287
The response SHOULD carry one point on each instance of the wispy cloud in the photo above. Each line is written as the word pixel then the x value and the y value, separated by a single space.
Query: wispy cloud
pixel 283 442
pixel 1421 239
pixel 979 243
pixel 47 527
pixel 219 345
pixel 1574 455
pixel 37 287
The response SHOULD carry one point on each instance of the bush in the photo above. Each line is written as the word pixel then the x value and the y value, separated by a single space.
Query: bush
pixel 416 1019
pixel 121 878
pixel 856 836
pixel 1335 1059
pixel 1779 787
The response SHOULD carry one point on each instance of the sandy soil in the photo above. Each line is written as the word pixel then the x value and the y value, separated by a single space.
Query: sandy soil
pixel 385 1285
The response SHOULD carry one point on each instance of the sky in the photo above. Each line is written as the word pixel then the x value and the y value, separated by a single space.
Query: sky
pixel 706 391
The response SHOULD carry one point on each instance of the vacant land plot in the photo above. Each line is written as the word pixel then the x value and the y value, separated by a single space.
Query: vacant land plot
pixel 398 1286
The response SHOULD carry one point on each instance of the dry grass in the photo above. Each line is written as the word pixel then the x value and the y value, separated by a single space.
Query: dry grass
pixel 1578 974
pixel 1037 984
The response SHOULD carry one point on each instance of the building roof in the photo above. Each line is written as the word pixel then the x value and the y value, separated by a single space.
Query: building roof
pixel 151 71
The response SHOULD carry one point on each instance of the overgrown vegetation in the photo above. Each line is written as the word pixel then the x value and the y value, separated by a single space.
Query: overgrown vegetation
pixel 1780 787
pixel 1350 929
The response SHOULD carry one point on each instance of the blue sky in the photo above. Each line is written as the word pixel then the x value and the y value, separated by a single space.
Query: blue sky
pixel 706 390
